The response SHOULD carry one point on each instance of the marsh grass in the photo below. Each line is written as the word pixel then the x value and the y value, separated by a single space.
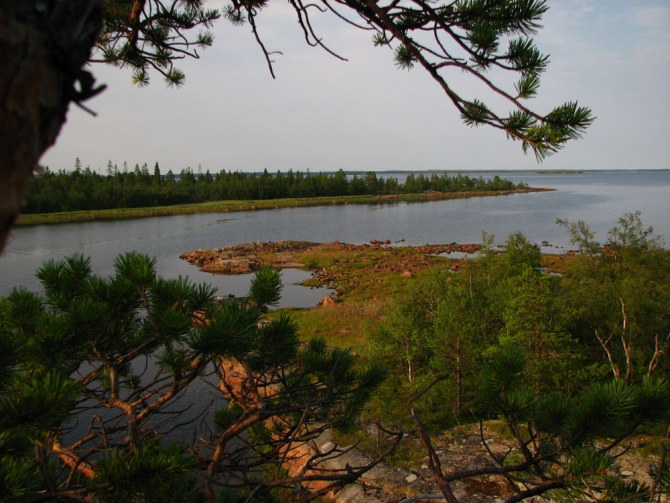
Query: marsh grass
pixel 342 325
pixel 247 205
pixel 365 287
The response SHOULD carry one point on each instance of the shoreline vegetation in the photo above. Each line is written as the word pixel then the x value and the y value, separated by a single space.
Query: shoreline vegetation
pixel 371 280
pixel 82 194
pixel 434 340
pixel 226 206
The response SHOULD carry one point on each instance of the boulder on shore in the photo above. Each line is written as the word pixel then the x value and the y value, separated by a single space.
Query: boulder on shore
pixel 327 301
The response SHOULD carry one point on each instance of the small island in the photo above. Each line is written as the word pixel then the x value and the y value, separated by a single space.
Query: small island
pixel 83 195
pixel 402 305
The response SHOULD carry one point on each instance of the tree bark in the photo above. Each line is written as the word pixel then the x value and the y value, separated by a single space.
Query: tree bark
pixel 43 46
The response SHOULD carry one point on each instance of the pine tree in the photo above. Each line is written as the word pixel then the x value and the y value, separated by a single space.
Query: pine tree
pixel 621 288
pixel 471 37
pixel 565 442
pixel 118 355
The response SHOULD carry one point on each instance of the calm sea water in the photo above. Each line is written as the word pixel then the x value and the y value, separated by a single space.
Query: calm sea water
pixel 598 198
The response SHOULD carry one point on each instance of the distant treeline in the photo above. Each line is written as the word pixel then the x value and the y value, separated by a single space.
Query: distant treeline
pixel 83 189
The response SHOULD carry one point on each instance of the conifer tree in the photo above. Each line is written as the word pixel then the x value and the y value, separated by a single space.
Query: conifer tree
pixel 565 442
pixel 622 289
pixel 95 376
pixel 469 36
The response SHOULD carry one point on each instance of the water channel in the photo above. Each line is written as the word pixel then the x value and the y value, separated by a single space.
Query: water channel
pixel 598 198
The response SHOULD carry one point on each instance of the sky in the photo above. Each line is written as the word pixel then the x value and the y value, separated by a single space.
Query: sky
pixel 365 114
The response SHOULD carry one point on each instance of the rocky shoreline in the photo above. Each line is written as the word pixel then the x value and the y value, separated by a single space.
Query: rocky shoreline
pixel 459 449
pixel 355 268
pixel 247 257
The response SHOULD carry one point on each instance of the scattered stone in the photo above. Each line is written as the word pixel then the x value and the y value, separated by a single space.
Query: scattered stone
pixel 354 493
pixel 327 301
pixel 411 478
pixel 224 299
pixel 406 274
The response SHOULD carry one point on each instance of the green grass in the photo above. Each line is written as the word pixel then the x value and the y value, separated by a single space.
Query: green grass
pixel 365 285
pixel 649 446
pixel 341 325
pixel 249 205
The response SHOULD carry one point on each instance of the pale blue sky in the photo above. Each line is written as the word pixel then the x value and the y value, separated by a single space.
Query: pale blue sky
pixel 365 114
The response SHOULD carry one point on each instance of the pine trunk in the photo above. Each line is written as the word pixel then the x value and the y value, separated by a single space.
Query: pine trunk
pixel 44 45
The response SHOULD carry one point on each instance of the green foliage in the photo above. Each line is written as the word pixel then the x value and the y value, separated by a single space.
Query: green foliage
pixel 503 373
pixel 39 405
pixel 502 309
pixel 581 235
pixel 132 345
pixel 536 320
pixel 400 343
pixel 520 255
pixel 153 36
pixel 404 58
pixel 277 344
pixel 622 293
pixel 617 489
pixel 120 354
pixel 149 474
pixel 18 479
pixel 225 417
pixel 631 235
pixel 567 440
pixel 265 287
pixel 50 192
pixel 584 462
pixel 664 470
pixel 231 332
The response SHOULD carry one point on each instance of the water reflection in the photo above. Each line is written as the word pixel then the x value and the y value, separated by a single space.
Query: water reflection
pixel 597 198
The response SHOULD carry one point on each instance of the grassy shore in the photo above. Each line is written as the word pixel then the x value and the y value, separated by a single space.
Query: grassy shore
pixel 366 277
pixel 250 205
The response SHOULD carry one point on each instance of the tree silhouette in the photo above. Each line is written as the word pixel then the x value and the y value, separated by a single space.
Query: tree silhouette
pixel 49 46
pixel 95 382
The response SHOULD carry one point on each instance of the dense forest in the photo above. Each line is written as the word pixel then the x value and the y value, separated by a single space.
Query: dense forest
pixel 95 375
pixel 572 360
pixel 601 314
pixel 83 189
